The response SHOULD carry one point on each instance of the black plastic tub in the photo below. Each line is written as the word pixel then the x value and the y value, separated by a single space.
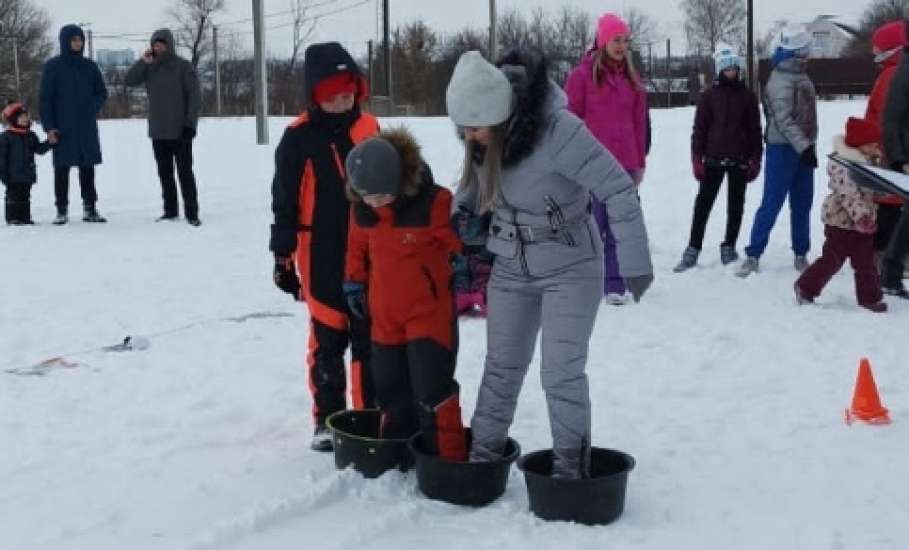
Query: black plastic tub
pixel 463 483
pixel 354 435
pixel 597 500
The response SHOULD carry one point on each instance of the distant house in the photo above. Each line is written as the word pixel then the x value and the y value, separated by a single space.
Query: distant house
pixel 115 58
pixel 829 39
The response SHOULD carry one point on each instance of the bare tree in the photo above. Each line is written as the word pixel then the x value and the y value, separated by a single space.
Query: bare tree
pixel 193 23
pixel 764 44
pixel 303 27
pixel 513 31
pixel 876 14
pixel 414 48
pixel 643 26
pixel 709 22
pixel 29 25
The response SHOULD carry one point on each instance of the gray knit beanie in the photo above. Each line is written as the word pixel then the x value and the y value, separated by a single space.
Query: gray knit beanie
pixel 478 94
pixel 374 168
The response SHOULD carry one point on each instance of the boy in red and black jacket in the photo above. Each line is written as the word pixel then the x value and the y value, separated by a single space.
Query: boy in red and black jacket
pixel 309 234
pixel 18 147
pixel 400 249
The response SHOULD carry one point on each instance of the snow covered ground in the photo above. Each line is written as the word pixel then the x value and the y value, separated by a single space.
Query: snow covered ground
pixel 730 397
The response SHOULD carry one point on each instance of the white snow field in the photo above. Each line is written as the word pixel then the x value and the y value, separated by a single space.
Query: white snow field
pixel 729 395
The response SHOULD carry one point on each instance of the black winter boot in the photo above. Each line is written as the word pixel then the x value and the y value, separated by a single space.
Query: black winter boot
pixel 9 212
pixel 91 215
pixel 61 217
pixel 25 213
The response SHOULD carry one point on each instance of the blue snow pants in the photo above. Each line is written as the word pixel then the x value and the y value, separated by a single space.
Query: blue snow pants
pixel 784 174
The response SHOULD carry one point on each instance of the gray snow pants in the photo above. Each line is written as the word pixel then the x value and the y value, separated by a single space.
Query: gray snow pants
pixel 565 306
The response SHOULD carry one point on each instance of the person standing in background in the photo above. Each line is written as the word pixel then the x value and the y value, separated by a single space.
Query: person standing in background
pixel 606 92
pixel 72 94
pixel 174 103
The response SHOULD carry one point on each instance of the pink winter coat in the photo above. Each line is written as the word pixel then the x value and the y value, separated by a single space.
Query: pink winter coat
pixel 615 112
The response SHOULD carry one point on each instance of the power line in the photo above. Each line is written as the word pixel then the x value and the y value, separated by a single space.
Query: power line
pixel 126 36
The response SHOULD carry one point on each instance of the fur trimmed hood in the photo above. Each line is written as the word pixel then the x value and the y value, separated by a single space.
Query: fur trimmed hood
pixel 528 72
pixel 413 169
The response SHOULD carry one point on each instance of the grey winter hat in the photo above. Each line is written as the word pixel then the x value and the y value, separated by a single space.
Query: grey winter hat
pixel 374 168
pixel 478 94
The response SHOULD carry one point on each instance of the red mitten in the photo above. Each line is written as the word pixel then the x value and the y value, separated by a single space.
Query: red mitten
pixel 698 168
pixel 753 170
pixel 866 225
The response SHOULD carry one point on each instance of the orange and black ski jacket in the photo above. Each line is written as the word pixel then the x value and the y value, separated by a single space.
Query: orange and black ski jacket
pixel 309 202
pixel 402 252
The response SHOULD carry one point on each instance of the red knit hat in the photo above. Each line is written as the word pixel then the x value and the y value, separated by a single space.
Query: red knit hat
pixel 861 132
pixel 889 36
pixel 339 83
pixel 12 111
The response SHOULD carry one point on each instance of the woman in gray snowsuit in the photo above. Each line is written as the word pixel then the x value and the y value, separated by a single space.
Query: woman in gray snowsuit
pixel 533 164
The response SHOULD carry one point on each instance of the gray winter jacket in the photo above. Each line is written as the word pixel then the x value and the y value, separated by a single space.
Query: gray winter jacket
pixel 790 103
pixel 174 97
pixel 542 224
pixel 896 117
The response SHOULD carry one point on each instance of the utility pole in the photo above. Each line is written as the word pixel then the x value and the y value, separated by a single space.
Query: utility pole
pixel 261 86
pixel 214 45
pixel 369 56
pixel 16 68
pixel 386 47
pixel 668 74
pixel 493 33
pixel 91 44
pixel 750 55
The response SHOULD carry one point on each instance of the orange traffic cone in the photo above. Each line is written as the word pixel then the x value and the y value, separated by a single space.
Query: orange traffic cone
pixel 866 403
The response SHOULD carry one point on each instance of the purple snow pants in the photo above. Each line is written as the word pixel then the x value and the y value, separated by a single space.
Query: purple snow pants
pixel 613 283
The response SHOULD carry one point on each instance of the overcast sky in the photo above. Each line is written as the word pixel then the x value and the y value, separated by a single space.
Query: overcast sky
pixel 356 25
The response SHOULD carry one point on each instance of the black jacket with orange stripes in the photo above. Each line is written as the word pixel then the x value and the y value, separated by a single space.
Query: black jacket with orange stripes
pixel 310 208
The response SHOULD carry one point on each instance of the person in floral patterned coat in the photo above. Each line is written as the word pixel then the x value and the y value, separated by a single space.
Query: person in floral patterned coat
pixel 849 216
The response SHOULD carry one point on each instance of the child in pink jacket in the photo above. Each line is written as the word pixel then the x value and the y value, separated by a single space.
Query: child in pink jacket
pixel 606 92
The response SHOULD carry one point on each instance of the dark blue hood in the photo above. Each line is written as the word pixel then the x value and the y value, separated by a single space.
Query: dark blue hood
pixel 66 35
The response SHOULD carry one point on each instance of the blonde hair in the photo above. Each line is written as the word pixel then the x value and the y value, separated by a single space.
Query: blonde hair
pixel 630 72
pixel 488 179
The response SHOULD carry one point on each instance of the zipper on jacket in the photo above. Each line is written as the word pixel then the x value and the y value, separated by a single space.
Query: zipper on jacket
pixel 432 284
pixel 338 163
pixel 514 222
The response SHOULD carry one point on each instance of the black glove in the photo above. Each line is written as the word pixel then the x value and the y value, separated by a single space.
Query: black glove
pixel 638 285
pixel 355 293
pixel 809 157
pixel 285 276
pixel 189 133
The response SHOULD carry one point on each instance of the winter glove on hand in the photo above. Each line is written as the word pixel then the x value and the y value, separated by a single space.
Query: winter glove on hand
pixel 285 276
pixel 698 168
pixel 467 225
pixel 866 225
pixel 461 275
pixel 809 157
pixel 753 169
pixel 355 293
pixel 189 133
pixel 638 285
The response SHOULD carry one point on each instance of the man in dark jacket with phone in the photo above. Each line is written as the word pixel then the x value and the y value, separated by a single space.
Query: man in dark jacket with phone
pixel 174 103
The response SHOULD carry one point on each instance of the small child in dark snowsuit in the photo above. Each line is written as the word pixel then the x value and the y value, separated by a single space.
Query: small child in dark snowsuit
pixel 18 147
pixel 399 248
pixel 849 215
pixel 473 267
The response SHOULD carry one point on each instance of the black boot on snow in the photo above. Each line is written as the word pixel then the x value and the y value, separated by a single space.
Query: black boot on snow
pixel 321 440
pixel 61 217
pixel 91 215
